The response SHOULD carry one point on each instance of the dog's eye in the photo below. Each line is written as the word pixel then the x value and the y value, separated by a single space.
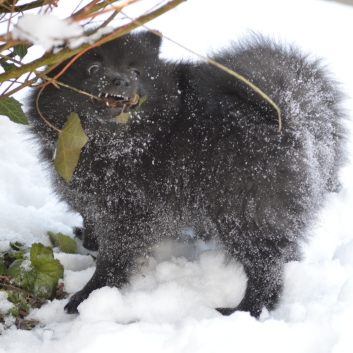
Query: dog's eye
pixel 93 69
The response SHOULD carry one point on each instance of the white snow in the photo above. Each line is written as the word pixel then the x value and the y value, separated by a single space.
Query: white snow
pixel 5 305
pixel 46 30
pixel 169 305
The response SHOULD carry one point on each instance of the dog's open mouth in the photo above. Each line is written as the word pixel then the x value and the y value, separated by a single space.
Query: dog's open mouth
pixel 115 100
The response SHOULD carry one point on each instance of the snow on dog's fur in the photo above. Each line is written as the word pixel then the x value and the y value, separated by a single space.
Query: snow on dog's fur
pixel 201 153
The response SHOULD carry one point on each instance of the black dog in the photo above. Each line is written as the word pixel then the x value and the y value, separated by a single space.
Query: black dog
pixel 201 152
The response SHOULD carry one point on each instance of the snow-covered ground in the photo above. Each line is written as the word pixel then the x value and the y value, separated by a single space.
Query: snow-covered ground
pixel 169 305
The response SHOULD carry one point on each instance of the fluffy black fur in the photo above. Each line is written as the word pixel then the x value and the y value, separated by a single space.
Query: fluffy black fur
pixel 202 152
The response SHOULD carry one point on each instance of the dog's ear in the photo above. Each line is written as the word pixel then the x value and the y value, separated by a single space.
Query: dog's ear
pixel 152 40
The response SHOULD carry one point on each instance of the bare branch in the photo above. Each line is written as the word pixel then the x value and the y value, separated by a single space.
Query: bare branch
pixel 5 7
pixel 51 58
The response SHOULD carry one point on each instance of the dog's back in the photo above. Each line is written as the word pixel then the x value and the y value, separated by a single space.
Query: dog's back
pixel 204 152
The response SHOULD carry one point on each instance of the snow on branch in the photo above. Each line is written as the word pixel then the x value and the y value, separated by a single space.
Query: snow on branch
pixel 60 38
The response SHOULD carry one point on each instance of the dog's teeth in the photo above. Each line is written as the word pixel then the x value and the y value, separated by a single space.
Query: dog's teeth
pixel 106 95
pixel 126 98
pixel 107 104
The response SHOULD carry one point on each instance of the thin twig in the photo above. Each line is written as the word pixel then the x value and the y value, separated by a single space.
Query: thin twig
pixel 108 20
pixel 118 33
pixel 25 7
pixel 19 88
pixel 92 6
pixel 40 113
pixel 50 58
pixel 68 86
pixel 224 68
pixel 111 8
pixel 11 14
pixel 77 6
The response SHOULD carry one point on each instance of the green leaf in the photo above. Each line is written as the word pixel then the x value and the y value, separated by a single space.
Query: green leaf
pixel 7 67
pixel 48 270
pixel 11 108
pixel 141 101
pixel 64 242
pixel 22 273
pixel 12 254
pixel 122 118
pixel 14 311
pixel 24 305
pixel 40 274
pixel 16 245
pixel 53 238
pixel 11 297
pixel 20 50
pixel 38 250
pixel 48 273
pixel 71 140
pixel 2 265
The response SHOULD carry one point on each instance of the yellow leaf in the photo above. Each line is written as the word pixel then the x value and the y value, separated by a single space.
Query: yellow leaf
pixel 122 118
pixel 71 140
